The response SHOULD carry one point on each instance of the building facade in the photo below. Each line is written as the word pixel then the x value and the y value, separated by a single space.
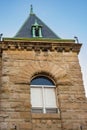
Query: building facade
pixel 41 84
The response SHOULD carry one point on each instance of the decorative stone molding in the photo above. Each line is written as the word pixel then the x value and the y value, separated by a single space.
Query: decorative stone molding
pixel 40 46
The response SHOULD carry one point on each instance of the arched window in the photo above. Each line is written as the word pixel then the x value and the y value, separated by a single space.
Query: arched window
pixel 43 96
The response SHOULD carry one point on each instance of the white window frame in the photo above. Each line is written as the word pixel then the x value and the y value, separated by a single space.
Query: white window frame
pixel 44 108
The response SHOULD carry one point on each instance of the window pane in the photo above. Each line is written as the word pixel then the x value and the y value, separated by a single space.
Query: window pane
pixel 50 100
pixel 51 110
pixel 36 97
pixel 42 80
pixel 37 110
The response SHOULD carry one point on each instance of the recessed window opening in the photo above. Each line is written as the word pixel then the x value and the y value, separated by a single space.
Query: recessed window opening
pixel 37 32
pixel 43 95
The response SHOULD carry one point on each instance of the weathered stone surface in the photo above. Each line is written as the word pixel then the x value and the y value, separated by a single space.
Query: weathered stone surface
pixel 18 66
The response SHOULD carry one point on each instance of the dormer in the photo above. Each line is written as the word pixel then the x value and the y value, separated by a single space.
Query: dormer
pixel 36 30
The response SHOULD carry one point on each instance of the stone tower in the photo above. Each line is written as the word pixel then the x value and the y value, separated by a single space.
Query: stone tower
pixel 41 84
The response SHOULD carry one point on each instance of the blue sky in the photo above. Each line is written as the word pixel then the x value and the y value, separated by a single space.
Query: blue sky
pixel 67 18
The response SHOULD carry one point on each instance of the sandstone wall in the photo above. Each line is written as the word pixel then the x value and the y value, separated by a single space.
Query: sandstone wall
pixel 19 67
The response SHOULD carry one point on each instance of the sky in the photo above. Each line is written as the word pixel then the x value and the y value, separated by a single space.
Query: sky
pixel 67 18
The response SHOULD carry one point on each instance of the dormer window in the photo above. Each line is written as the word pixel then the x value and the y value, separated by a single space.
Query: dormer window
pixel 36 30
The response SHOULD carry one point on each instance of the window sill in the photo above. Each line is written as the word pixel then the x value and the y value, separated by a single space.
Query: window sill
pixel 45 116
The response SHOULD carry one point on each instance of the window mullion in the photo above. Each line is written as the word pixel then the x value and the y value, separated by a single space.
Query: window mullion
pixel 43 98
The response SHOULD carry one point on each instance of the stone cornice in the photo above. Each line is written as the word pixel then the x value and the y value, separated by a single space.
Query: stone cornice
pixel 59 46
pixel 39 39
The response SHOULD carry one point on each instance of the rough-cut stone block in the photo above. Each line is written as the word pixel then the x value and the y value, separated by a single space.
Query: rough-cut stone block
pixel 17 68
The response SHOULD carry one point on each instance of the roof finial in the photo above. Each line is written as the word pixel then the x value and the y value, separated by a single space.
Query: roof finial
pixel 31 10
